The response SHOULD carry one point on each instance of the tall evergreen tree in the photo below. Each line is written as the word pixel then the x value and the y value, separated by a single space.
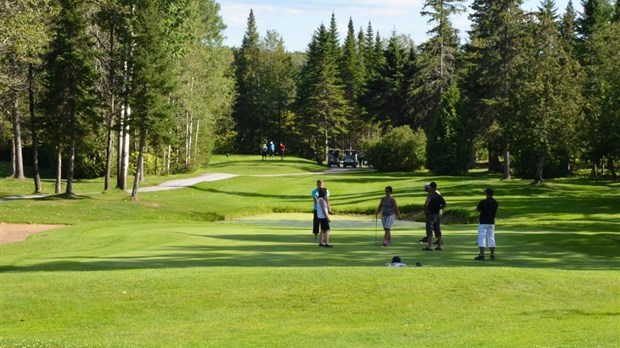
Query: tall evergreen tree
pixel 594 19
pixel 278 90
pixel 246 111
pixel 492 56
pixel 352 75
pixel 322 106
pixel 70 99
pixel 446 153
pixel 437 61
pixel 153 82
pixel 548 100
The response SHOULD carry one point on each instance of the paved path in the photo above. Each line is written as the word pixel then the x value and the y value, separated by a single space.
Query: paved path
pixel 182 183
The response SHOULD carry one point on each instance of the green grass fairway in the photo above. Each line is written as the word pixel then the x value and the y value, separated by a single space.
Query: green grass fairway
pixel 232 263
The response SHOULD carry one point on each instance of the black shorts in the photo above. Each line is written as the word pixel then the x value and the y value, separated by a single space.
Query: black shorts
pixel 324 224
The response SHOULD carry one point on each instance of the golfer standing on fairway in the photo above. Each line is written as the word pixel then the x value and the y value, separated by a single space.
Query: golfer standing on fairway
pixel 486 226
pixel 323 215
pixel 433 205
pixel 315 195
pixel 389 211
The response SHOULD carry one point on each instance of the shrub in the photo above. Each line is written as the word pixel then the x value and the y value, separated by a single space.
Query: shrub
pixel 401 149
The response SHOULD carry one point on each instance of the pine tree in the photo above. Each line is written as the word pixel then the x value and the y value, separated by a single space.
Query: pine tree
pixel 278 90
pixel 446 150
pixel 437 61
pixel 492 55
pixel 321 103
pixel 153 82
pixel 246 112
pixel 594 20
pixel 548 100
pixel 70 98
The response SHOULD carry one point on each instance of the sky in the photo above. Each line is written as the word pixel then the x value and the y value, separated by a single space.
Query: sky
pixel 296 20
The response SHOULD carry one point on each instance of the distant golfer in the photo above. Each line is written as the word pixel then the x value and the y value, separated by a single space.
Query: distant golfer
pixel 389 212
pixel 486 226
pixel 432 207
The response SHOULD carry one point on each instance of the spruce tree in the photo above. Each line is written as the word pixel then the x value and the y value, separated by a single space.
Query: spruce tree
pixel 446 150
pixel 70 99
pixel 492 56
pixel 246 112
pixel 321 103
pixel 437 61
pixel 548 101
pixel 153 82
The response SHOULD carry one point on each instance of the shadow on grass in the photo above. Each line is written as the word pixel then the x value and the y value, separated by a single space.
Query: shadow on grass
pixel 281 246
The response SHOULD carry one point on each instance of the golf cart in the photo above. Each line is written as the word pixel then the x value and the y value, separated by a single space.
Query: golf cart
pixel 333 157
pixel 350 158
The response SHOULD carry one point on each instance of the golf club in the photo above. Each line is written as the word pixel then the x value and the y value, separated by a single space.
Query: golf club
pixel 376 222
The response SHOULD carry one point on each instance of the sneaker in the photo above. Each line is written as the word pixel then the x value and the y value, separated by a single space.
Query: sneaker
pixel 427 249
pixel 384 244
pixel 493 257
pixel 424 240
pixel 328 246
pixel 438 248
pixel 479 258
pixel 321 245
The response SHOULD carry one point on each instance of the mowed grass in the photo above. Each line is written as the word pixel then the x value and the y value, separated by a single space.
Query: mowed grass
pixel 232 263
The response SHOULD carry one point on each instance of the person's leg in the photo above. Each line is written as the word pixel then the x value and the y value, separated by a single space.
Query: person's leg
pixel 438 233
pixel 491 239
pixel 429 231
pixel 315 225
pixel 327 238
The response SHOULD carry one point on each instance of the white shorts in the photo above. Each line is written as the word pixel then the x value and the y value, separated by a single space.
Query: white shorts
pixel 486 235
pixel 388 221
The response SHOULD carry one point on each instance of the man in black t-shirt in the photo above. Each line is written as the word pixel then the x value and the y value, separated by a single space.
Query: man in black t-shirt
pixel 432 207
pixel 486 227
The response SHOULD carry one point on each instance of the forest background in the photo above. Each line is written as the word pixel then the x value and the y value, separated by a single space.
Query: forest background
pixel 130 87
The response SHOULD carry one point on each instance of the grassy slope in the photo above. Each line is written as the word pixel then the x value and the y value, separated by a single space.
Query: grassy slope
pixel 156 273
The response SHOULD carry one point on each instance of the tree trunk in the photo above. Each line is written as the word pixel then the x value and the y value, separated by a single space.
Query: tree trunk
pixel 70 168
pixel 538 175
pixel 33 130
pixel 18 165
pixel 610 165
pixel 111 107
pixel 58 183
pixel 134 191
pixel 507 163
pixel 123 149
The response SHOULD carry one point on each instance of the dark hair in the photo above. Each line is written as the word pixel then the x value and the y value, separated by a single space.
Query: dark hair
pixel 395 259
pixel 322 192
pixel 489 191
pixel 433 184
pixel 389 188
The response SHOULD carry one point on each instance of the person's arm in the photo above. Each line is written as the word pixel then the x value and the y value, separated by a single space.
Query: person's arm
pixel 325 208
pixel 379 207
pixel 396 209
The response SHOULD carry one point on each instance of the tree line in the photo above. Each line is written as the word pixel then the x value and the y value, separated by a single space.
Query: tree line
pixel 113 87
pixel 535 93
pixel 128 87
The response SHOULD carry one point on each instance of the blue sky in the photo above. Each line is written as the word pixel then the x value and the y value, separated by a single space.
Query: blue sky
pixel 296 21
